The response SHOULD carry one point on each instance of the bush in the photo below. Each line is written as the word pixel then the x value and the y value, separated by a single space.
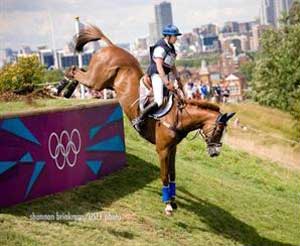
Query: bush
pixel 247 70
pixel 53 75
pixel 276 81
pixel 26 72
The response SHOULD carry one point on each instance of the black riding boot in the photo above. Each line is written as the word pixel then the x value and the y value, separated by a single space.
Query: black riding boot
pixel 71 88
pixel 137 122
pixel 60 86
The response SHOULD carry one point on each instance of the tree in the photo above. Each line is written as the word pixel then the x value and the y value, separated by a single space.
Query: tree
pixel 26 72
pixel 247 70
pixel 276 80
pixel 294 13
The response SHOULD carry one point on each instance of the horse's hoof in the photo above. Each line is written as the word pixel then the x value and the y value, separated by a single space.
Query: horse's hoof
pixel 169 210
pixel 174 205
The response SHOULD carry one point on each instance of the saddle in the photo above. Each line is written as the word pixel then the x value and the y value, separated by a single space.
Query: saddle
pixel 147 97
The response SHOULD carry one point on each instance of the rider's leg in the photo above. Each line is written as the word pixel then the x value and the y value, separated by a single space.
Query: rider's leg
pixel 157 85
pixel 158 89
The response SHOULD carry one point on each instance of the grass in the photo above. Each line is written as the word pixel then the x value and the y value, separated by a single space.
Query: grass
pixel 40 104
pixel 266 119
pixel 266 132
pixel 236 199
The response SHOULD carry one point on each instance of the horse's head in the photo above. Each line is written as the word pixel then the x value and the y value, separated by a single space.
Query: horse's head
pixel 212 132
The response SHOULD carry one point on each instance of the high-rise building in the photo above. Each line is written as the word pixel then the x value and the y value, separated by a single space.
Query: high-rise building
pixel 282 6
pixel 163 15
pixel 209 43
pixel 209 29
pixel 7 55
pixel 257 33
pixel 246 27
pixel 268 12
pixel 140 44
pixel 46 57
pixel 272 10
pixel 153 35
pixel 231 26
pixel 25 50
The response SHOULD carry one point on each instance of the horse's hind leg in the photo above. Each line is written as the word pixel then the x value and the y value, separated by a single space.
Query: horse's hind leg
pixel 97 77
pixel 75 73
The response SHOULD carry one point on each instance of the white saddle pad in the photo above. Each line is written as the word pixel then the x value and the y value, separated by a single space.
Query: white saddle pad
pixel 144 92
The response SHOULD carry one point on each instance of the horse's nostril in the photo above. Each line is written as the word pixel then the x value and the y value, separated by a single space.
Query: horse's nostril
pixel 214 155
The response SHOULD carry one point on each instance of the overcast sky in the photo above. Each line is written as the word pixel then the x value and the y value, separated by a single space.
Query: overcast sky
pixel 28 22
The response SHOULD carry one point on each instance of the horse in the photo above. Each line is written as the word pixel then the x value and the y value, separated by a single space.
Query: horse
pixel 115 68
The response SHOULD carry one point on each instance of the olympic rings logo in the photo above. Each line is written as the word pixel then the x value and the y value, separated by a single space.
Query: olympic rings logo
pixel 60 149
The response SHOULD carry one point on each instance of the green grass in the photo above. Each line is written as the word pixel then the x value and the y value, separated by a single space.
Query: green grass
pixel 266 119
pixel 40 104
pixel 236 199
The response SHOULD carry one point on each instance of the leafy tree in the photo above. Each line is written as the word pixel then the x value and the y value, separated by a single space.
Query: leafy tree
pixel 26 72
pixel 276 80
pixel 247 70
pixel 294 14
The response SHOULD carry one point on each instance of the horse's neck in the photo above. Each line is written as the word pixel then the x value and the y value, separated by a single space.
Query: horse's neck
pixel 194 117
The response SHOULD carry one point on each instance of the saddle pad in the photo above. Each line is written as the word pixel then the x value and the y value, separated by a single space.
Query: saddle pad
pixel 162 111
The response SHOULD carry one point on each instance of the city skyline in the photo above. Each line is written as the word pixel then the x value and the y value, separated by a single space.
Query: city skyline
pixel 31 25
pixel 272 10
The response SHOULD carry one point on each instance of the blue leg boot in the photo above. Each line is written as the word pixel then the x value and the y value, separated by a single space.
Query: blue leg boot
pixel 166 194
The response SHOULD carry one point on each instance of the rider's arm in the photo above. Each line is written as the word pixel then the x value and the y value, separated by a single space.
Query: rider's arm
pixel 175 72
pixel 161 72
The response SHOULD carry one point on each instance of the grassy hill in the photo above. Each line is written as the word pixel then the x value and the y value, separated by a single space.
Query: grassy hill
pixel 236 199
pixel 266 132
pixel 269 120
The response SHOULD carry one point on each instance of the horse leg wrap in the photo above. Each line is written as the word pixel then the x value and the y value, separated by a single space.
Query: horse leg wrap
pixel 165 194
pixel 71 88
pixel 172 189
pixel 60 86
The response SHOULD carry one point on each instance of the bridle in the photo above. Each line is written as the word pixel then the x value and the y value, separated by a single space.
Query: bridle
pixel 210 134
pixel 206 135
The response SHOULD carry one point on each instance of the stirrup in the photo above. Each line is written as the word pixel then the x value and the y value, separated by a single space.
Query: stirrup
pixel 136 123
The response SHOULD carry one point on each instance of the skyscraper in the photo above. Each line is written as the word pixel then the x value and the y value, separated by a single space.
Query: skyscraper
pixel 163 15
pixel 153 35
pixel 271 11
pixel 282 6
pixel 268 12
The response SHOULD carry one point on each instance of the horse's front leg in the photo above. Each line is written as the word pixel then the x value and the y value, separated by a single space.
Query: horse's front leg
pixel 172 176
pixel 164 156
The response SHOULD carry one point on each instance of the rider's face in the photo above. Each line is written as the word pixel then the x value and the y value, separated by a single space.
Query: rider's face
pixel 172 39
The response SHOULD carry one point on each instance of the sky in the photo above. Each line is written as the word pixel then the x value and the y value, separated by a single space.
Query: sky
pixel 29 22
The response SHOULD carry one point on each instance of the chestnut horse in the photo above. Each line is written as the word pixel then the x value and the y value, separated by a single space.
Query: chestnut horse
pixel 115 68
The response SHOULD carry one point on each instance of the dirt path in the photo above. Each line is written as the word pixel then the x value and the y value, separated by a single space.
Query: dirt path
pixel 284 154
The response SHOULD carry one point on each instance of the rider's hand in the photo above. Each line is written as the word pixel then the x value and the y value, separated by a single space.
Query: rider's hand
pixel 170 86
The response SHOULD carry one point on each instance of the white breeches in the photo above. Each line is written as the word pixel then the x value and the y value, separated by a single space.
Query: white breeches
pixel 158 88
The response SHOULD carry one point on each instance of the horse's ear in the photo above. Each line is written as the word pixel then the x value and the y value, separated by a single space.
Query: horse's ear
pixel 229 116
pixel 223 118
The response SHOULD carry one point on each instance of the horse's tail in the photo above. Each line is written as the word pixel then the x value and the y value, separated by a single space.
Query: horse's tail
pixel 88 34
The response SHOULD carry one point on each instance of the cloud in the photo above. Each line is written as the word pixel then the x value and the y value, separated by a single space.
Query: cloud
pixel 29 22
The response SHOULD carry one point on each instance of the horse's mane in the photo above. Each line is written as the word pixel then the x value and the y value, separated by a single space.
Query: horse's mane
pixel 203 104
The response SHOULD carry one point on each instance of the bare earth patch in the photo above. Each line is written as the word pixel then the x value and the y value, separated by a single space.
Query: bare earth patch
pixel 286 154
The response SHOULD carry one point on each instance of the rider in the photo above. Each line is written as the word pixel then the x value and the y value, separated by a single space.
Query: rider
pixel 163 57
